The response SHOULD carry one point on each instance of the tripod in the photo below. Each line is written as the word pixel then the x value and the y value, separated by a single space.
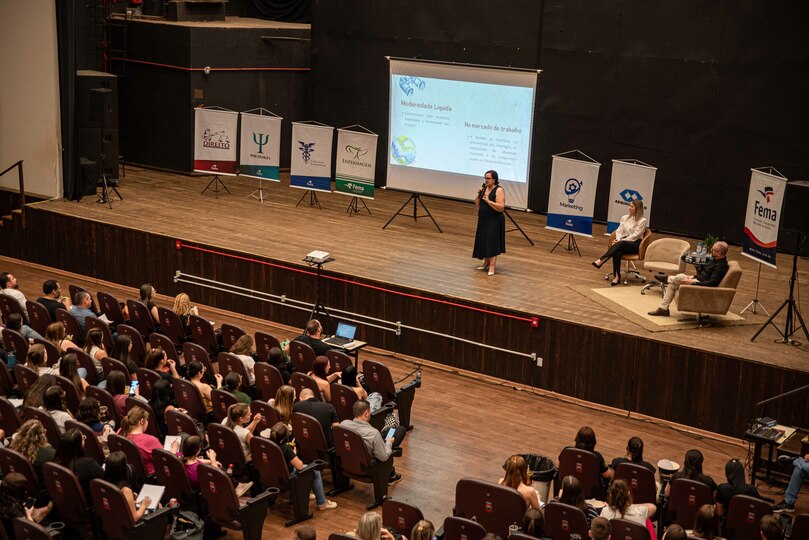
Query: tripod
pixel 571 244
pixel 354 206
pixel 791 305
pixel 516 225
pixel 416 198
pixel 260 192
pixel 318 307
pixel 216 182
pixel 313 200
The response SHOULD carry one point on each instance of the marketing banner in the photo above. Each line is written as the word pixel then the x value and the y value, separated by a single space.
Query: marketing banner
pixel 572 195
pixel 632 180
pixel 215 141
pixel 260 146
pixel 356 163
pixel 310 167
pixel 763 216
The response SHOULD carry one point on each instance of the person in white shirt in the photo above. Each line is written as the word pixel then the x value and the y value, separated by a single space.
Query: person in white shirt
pixel 9 287
pixel 619 505
pixel 627 239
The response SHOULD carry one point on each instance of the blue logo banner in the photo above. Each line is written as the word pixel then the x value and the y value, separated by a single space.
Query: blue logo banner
pixel 566 222
pixel 319 183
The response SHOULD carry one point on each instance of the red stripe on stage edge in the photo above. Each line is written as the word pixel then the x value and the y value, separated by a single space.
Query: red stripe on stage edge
pixel 534 321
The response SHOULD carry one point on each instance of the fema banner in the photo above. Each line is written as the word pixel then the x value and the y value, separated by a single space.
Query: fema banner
pixel 632 180
pixel 310 167
pixel 356 163
pixel 763 216
pixel 572 196
pixel 260 146
pixel 215 141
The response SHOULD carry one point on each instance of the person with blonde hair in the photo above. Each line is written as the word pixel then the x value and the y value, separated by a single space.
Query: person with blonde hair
pixel 31 441
pixel 283 402
pixel 627 239
pixel 57 334
pixel 423 530
pixel 620 505
pixel 184 309
pixel 370 528
pixel 35 360
pixel 133 427
pixel 517 477
pixel 243 349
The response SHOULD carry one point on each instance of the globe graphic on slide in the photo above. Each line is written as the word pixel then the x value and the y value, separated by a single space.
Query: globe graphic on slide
pixel 404 150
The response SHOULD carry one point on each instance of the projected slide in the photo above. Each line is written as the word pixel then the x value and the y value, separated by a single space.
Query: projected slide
pixel 449 124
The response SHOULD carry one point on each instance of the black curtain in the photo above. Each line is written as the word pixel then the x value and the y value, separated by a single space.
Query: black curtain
pixel 280 10
pixel 66 35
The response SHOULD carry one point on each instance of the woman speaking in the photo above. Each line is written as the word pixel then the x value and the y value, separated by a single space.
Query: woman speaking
pixel 490 238
pixel 627 239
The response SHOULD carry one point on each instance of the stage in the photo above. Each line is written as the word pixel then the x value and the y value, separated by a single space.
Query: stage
pixel 410 273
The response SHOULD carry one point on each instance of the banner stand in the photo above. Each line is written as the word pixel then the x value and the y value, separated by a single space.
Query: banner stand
pixel 355 168
pixel 354 206
pixel 754 302
pixel 216 181
pixel 572 245
pixel 306 181
pixel 313 200
pixel 260 191
pixel 416 198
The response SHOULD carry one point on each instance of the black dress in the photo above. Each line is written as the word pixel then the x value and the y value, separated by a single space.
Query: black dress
pixel 490 238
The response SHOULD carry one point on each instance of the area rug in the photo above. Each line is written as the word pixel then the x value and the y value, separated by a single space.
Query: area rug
pixel 630 304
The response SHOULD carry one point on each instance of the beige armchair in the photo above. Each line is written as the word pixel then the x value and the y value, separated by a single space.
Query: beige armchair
pixel 664 257
pixel 710 300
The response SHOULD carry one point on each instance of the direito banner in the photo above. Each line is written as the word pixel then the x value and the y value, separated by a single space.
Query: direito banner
pixel 630 182
pixel 215 141
pixel 310 167
pixel 763 216
pixel 356 163
pixel 571 200
pixel 260 146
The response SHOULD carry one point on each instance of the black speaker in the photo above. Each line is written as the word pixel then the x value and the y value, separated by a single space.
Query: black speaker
pixel 795 215
pixel 100 146
pixel 96 99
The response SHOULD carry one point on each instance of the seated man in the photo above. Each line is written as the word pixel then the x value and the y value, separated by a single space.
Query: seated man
pixel 709 275
pixel 770 528
pixel 322 412
pixel 601 529
pixel 52 298
pixel 799 474
pixel 9 287
pixel 379 449
pixel 314 338
pixel 81 308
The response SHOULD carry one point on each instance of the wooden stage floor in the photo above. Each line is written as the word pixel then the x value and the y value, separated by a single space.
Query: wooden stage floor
pixel 414 254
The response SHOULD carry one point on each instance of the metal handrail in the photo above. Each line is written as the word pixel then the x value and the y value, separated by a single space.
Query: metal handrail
pixel 22 188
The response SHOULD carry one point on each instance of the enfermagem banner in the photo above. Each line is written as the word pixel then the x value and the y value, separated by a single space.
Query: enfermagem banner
pixel 571 200
pixel 260 146
pixel 356 163
pixel 215 141
pixel 310 167
pixel 763 216
pixel 631 181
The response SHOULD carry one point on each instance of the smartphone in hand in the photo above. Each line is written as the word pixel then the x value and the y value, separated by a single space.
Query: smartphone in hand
pixel 132 386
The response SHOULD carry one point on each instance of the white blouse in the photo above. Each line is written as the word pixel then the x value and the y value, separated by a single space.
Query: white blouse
pixel 630 229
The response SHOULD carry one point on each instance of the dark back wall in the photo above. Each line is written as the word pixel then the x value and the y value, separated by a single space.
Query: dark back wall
pixel 703 90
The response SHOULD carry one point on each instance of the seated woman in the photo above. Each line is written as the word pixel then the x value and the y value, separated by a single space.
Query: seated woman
pixel 321 369
pixel 147 292
pixel 162 401
pixel 281 435
pixel 627 239
pixel 89 414
pixel 196 371
pixel 31 441
pixel 634 455
pixel 34 396
pixel 736 485
pixel 94 346
pixel 70 454
pixel 692 470
pixel 571 493
pixel 243 349
pixel 586 440
pixel 192 447
pixel 517 477
pixel 184 309
pixel 116 472
pixel 423 530
pixel 13 494
pixel 35 360
pixel 238 419
pixel 133 427
pixel 706 523
pixel 53 403
pixel 69 369
pixel 283 402
pixel 279 360
pixel 370 528
pixel 233 384
pixel 349 378
pixel 56 334
pixel 158 361
pixel 533 523
pixel 118 387
pixel 619 505
pixel 122 348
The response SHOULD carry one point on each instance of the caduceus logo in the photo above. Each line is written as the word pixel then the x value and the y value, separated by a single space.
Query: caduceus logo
pixel 572 188
pixel 306 150
pixel 356 151
pixel 767 193
pixel 260 139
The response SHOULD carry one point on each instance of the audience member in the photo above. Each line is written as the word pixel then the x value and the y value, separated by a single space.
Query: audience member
pixel 94 346
pixel 324 413
pixel 370 528
pixel 116 472
pixel 799 474
pixel 118 387
pixel 16 323
pixel 233 384
pixel 36 360
pixel 770 528
pixel 36 392
pixel 586 440
pixel 736 485
pixel 348 377
pixel 192 446
pixel 81 308
pixel 13 494
pixel 313 336
pixel 517 477
pixel 122 348
pixel 282 436
pixel 238 419
pixel 184 309
pixel 321 373
pixel 53 299
pixel 692 470
pixel 279 360
pixel 69 369
pixel 305 532
pixel 533 523
pixel 147 292
pixel 243 349
pixel 378 448
pixel 571 493
pixel 158 361
pixel 284 402
pixel 196 371
pixel 56 334
pixel 709 275
pixel 31 441
pixel 706 523
pixel 162 401
pixel 601 529
pixel 634 455
pixel 675 532
pixel 491 536
pixel 53 402
pixel 133 427
pixel 70 454
pixel 9 287
pixel 89 414
pixel 620 505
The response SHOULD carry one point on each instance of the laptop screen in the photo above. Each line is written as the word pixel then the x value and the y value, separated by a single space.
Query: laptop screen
pixel 345 330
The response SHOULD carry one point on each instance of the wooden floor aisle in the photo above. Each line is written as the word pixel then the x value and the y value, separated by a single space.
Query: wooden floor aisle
pixel 414 254
pixel 464 426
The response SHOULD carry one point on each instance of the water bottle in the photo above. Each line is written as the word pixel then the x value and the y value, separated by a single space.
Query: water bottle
pixel 699 250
